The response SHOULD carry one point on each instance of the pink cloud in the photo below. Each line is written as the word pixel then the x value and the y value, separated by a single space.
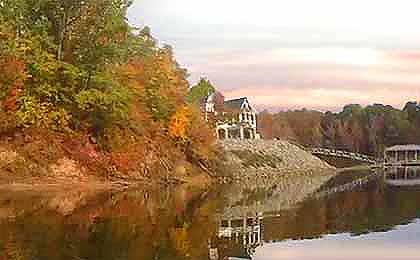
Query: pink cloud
pixel 288 97
pixel 317 78
pixel 409 56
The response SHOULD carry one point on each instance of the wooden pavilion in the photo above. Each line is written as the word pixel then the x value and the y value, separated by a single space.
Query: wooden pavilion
pixel 402 155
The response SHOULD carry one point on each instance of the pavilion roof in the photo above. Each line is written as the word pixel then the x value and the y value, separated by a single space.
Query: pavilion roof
pixel 408 147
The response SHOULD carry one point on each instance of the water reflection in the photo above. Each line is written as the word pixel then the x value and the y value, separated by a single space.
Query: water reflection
pixel 398 244
pixel 277 220
pixel 361 213
pixel 243 235
pixel 402 176
pixel 146 224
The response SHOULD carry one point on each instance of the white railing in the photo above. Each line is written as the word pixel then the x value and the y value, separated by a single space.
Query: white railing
pixel 342 154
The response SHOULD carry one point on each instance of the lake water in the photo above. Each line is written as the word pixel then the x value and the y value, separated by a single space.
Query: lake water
pixel 377 219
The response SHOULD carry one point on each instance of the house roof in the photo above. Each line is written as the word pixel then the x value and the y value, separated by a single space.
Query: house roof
pixel 235 103
pixel 408 147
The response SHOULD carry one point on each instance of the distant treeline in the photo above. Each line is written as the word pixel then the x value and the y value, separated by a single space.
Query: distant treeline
pixel 360 129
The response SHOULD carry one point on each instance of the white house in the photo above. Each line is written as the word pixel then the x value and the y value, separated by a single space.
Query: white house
pixel 238 120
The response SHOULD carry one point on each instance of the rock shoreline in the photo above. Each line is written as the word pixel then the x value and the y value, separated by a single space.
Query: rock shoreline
pixel 268 157
pixel 271 176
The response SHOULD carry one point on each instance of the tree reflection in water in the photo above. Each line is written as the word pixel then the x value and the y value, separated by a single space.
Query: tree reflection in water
pixel 183 223
pixel 375 207
pixel 147 224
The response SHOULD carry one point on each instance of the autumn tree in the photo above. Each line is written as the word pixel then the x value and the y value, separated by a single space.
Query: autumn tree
pixel 366 130
pixel 77 68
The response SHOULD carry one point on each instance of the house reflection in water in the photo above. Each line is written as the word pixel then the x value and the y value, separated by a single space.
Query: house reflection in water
pixel 386 202
pixel 402 176
pixel 238 238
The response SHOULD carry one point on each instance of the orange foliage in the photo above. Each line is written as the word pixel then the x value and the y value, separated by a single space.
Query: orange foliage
pixel 154 128
pixel 13 71
pixel 179 124
pixel 202 138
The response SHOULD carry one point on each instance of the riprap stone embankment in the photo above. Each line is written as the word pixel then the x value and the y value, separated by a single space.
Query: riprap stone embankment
pixel 270 176
pixel 270 159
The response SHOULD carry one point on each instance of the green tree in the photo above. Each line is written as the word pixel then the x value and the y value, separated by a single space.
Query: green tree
pixel 68 48
pixel 201 90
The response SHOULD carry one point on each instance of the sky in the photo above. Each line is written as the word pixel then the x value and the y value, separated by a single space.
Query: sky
pixel 293 54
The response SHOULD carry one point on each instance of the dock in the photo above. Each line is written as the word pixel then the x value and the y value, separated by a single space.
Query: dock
pixel 402 155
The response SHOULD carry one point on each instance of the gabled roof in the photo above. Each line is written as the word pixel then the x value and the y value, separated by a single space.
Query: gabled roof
pixel 408 147
pixel 235 103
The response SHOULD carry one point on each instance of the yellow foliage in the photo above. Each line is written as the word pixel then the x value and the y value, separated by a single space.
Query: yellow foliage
pixel 179 124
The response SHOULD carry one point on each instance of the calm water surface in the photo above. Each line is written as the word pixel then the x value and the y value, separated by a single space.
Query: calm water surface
pixel 294 219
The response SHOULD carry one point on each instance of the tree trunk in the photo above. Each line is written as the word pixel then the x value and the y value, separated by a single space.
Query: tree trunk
pixel 61 36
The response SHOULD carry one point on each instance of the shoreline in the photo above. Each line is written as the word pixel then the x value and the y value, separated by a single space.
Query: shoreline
pixel 94 183
pixel 244 160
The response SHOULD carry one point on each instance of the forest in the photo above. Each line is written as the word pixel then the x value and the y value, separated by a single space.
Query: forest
pixel 366 130
pixel 78 81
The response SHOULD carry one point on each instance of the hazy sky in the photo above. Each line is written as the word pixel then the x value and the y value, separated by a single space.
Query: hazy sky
pixel 294 53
